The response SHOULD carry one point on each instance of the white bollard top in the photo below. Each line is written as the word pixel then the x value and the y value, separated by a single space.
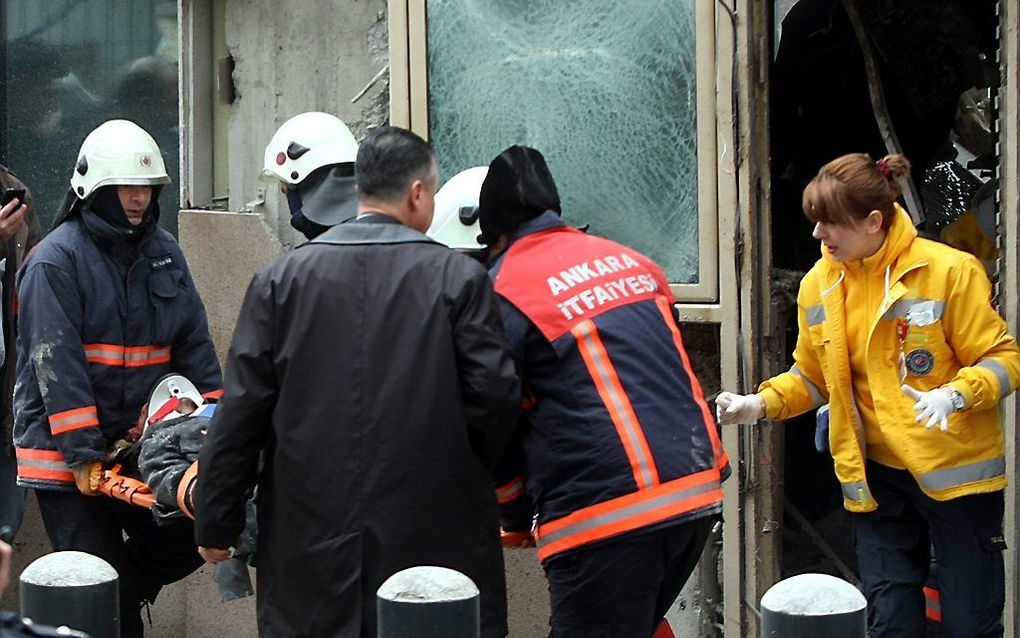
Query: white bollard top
pixel 428 584
pixel 813 595
pixel 68 569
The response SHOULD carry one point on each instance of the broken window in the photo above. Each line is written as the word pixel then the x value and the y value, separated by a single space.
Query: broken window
pixel 68 67
pixel 607 92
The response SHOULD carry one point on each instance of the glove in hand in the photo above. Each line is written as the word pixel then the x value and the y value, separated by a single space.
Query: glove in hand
pixel 733 408
pixel 86 477
pixel 935 406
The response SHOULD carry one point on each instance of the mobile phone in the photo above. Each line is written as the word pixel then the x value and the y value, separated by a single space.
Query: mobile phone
pixel 11 194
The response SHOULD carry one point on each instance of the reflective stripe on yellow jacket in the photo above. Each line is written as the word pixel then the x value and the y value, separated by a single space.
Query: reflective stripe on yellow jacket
pixel 942 296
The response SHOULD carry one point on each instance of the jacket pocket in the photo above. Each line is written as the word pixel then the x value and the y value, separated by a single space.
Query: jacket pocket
pixel 930 361
pixel 164 288
pixel 820 344
pixel 165 284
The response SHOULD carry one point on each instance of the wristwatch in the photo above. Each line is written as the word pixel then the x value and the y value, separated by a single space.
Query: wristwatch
pixel 958 402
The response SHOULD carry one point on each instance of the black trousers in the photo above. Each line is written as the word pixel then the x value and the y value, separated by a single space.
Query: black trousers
pixel 894 553
pixel 149 557
pixel 623 587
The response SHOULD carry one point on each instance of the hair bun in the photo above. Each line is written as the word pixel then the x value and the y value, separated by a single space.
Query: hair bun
pixel 894 167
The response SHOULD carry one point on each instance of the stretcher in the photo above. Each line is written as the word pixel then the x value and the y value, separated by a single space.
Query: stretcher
pixel 166 402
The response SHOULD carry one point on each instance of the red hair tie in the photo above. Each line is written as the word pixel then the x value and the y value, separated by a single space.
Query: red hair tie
pixel 883 168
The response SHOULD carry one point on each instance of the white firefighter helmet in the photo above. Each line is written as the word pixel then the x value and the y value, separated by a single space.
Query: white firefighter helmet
pixel 169 399
pixel 306 142
pixel 455 222
pixel 117 152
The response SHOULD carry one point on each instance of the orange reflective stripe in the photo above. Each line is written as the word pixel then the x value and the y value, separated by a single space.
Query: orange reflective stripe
pixel 47 465
pixel 510 491
pixel 128 357
pixel 632 511
pixel 932 604
pixel 215 394
pixel 38 455
pixel 601 369
pixel 721 459
pixel 76 419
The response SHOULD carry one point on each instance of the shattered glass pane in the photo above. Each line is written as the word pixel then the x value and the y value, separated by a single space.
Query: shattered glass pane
pixel 606 90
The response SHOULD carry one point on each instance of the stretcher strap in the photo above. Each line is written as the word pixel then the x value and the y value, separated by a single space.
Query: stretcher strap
pixel 124 488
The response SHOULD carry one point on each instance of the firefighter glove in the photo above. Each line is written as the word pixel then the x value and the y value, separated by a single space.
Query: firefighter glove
pixel 733 408
pixel 933 406
pixel 86 477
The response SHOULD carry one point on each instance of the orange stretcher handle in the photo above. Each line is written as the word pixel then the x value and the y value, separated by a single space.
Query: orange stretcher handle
pixel 124 488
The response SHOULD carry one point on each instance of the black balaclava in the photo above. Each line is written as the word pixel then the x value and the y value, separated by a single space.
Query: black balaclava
pixel 517 188
pixel 325 198
pixel 105 203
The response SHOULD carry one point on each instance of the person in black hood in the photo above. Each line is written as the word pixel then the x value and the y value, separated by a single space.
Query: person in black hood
pixel 614 470
pixel 132 210
pixel 518 188
pixel 312 157
pixel 108 307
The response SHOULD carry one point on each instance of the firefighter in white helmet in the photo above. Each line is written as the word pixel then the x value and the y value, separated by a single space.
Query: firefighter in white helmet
pixel 455 222
pixel 107 308
pixel 312 157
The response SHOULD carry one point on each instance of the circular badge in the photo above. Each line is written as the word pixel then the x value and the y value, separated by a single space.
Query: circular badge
pixel 146 161
pixel 920 362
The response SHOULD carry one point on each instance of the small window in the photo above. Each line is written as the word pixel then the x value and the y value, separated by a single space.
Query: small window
pixel 617 96
pixel 71 66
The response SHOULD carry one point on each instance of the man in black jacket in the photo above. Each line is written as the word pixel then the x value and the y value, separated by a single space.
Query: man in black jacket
pixel 369 367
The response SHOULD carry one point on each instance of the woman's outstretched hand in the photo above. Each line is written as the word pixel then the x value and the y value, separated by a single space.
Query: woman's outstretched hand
pixel 733 408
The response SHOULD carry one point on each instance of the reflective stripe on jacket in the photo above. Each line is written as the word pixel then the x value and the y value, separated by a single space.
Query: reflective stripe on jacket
pixel 939 298
pixel 619 437
pixel 99 324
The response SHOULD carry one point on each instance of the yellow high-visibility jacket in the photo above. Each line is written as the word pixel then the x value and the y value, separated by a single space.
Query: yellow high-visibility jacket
pixel 940 298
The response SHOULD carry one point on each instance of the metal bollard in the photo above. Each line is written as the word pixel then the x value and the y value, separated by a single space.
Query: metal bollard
pixel 428 602
pixel 72 589
pixel 812 605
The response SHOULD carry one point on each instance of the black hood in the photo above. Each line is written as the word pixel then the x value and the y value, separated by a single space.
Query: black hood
pixel 105 203
pixel 517 188
pixel 322 200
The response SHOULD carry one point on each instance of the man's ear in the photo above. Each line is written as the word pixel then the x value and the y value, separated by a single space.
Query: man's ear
pixel 414 194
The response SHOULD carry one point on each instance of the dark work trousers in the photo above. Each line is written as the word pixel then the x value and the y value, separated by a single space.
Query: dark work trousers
pixel 623 587
pixel 893 551
pixel 151 556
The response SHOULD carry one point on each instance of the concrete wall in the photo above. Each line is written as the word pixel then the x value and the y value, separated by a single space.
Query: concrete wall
pixel 292 57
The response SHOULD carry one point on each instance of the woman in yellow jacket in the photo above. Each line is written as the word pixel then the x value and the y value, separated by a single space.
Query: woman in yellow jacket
pixel 898 336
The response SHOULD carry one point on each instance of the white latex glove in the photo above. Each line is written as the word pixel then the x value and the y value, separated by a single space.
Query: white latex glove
pixel 739 408
pixel 935 406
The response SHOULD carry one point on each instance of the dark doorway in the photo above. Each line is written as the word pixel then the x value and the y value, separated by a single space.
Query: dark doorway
pixel 937 71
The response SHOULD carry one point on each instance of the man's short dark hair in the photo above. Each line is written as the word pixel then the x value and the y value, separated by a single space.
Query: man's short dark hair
pixel 389 161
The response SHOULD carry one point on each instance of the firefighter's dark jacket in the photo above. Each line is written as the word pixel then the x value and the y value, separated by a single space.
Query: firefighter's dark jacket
pixel 617 436
pixel 370 366
pixel 100 321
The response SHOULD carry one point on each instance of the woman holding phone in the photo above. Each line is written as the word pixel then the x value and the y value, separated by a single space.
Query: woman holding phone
pixel 19 232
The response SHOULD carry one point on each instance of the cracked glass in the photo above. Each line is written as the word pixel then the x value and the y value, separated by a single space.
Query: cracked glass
pixel 607 92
